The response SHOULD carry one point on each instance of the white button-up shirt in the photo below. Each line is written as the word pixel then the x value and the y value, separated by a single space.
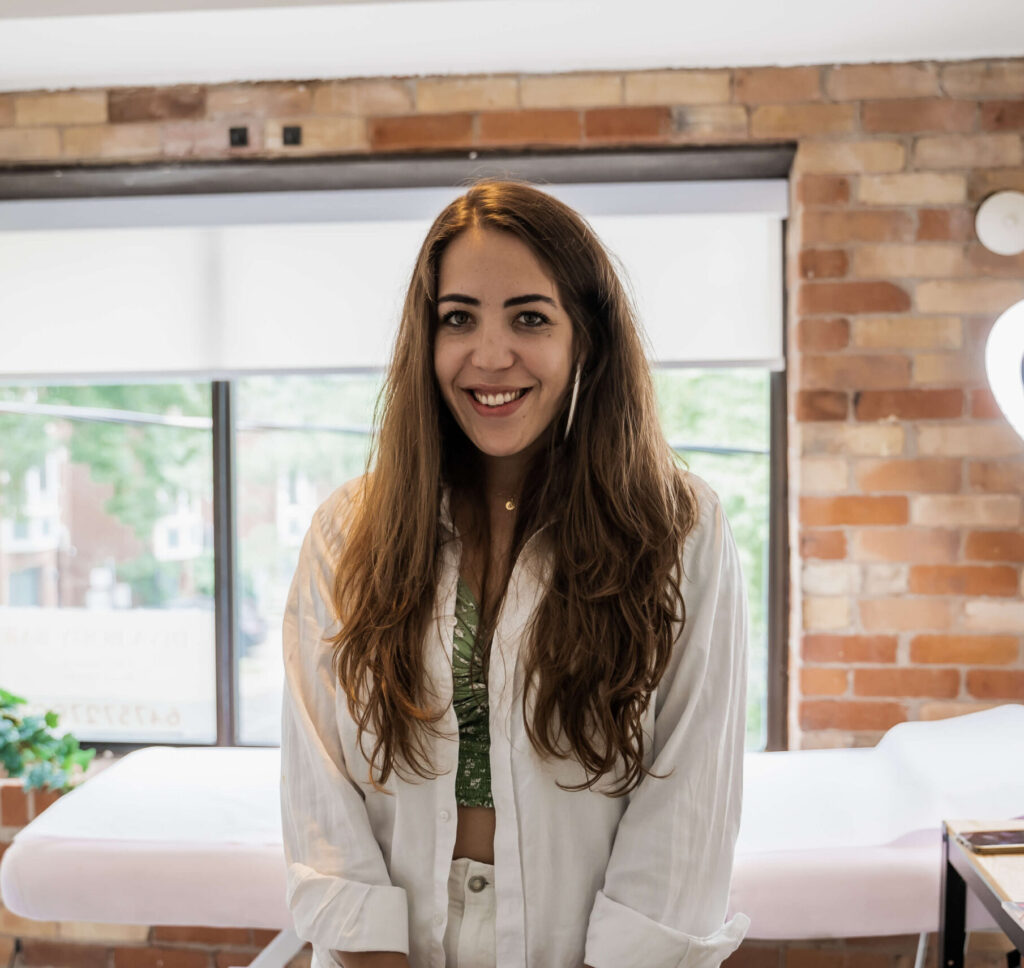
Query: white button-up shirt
pixel 580 877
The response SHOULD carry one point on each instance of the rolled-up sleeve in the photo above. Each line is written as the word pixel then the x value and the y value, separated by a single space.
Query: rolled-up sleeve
pixel 666 887
pixel 339 890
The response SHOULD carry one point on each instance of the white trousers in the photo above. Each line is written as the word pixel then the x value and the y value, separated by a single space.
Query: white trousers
pixel 469 937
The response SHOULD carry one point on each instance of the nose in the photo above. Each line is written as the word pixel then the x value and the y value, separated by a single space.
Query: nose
pixel 492 347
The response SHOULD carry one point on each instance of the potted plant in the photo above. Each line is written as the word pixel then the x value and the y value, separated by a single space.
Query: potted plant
pixel 29 749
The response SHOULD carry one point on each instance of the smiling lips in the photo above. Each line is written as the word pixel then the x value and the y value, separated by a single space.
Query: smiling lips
pixel 497 404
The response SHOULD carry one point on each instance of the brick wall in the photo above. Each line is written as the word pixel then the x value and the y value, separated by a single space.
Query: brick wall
pixel 906 484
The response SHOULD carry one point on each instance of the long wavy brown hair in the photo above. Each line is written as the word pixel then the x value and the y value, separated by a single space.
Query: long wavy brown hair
pixel 612 503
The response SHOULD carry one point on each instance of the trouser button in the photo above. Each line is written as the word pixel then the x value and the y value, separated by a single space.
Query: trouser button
pixel 477 883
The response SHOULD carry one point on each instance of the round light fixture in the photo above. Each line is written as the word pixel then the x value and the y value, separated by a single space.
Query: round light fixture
pixel 999 223
pixel 1004 364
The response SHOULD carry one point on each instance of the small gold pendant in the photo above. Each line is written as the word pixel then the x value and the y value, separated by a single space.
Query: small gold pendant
pixel 510 504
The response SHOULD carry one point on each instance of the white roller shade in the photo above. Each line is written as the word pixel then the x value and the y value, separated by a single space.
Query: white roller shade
pixel 219 285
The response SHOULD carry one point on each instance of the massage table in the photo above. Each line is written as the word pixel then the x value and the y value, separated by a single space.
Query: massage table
pixel 833 843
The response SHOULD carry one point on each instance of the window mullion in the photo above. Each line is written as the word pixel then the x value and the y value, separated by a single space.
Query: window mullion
pixel 224 562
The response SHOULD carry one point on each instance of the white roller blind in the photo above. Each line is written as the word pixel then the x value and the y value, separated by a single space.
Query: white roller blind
pixel 220 285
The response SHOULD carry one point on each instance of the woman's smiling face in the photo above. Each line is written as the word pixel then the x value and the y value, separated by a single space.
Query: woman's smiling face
pixel 503 350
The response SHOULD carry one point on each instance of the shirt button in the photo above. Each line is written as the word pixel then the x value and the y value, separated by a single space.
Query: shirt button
pixel 444 815
pixel 438 918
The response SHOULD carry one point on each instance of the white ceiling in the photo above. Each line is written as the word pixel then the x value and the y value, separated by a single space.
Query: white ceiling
pixel 53 44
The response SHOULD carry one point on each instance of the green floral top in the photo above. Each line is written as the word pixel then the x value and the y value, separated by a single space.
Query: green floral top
pixel 473 780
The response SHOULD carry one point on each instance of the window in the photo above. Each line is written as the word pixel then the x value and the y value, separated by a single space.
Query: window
pixel 168 545
pixel 297 439
pixel 24 587
pixel 729 446
pixel 108 585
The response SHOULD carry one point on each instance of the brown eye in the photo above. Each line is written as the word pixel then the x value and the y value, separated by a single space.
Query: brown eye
pixel 448 319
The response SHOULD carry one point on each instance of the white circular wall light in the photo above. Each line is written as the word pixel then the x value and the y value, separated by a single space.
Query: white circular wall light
pixel 999 223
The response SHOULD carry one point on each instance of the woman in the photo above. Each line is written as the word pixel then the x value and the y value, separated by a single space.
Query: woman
pixel 515 650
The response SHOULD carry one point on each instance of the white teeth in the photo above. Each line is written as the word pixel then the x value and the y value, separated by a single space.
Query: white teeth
pixel 497 399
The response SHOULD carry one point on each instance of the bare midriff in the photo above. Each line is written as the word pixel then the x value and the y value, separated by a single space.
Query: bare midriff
pixel 475 835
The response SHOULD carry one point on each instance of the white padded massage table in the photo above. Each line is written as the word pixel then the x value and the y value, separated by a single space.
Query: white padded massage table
pixel 834 843
pixel 166 835
pixel 847 842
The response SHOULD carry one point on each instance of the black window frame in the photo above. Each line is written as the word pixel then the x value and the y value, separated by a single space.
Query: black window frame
pixel 673 163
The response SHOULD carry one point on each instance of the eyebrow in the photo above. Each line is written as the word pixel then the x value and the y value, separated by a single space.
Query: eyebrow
pixel 514 301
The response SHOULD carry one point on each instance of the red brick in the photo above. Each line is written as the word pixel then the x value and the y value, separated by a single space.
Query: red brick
pixel 996 477
pixel 821 405
pixel 854 371
pixel 182 102
pixel 421 131
pixel 756 954
pixel 905 614
pixel 822 190
pixel 844 714
pixel 269 99
pixel 200 935
pixel 857 82
pixel 823 682
pixel 40 952
pixel 880 959
pixel 823 263
pixel 822 544
pixel 912 115
pixel 921 476
pixel 802 120
pixel 995 546
pixel 945 225
pixel 822 335
pixel 529 127
pixel 977 329
pixel 984 406
pixel 852 297
pixel 849 648
pixel 626 124
pixel 832 511
pixel 766 85
pixel 805 957
pixel 906 544
pixel 963 580
pixel 1002 116
pixel 908 404
pixel 154 957
pixel 986 263
pixel 228 959
pixel 41 799
pixel 933 683
pixel 996 684
pixel 13 804
pixel 982 182
pixel 964 649
pixel 841 228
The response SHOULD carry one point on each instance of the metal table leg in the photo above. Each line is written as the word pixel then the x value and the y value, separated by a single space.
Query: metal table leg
pixel 952 921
